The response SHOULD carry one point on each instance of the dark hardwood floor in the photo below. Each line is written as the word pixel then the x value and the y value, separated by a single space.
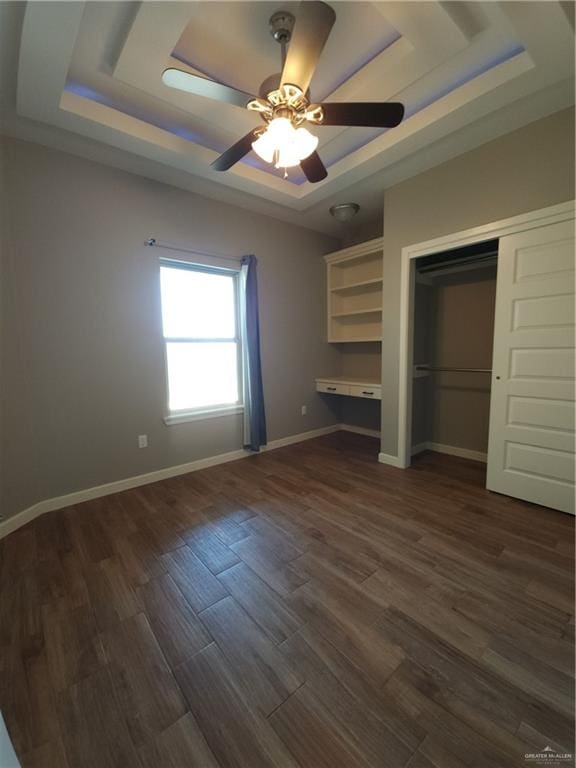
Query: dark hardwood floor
pixel 305 607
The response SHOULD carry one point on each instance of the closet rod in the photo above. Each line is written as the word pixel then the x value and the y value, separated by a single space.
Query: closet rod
pixel 457 370
pixel 153 243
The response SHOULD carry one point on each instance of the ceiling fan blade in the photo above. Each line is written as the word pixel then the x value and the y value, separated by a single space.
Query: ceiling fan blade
pixel 235 152
pixel 313 168
pixel 202 86
pixel 314 20
pixel 369 114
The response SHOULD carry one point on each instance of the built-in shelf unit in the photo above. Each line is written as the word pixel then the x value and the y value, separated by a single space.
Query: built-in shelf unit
pixel 354 286
pixel 344 385
pixel 355 293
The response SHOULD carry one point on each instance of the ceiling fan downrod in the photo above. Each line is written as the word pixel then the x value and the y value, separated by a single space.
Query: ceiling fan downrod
pixel 281 26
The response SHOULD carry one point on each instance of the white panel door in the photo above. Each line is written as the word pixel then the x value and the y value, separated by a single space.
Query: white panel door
pixel 531 445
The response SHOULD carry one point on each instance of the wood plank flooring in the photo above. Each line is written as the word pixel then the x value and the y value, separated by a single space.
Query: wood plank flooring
pixel 306 607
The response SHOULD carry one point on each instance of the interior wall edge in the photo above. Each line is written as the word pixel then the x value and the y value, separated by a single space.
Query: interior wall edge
pixel 392 461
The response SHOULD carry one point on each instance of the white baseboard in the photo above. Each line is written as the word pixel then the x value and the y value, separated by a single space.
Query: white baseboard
pixel 393 461
pixel 59 502
pixel 22 518
pixel 360 430
pixel 299 438
pixel 451 450
pixel 464 453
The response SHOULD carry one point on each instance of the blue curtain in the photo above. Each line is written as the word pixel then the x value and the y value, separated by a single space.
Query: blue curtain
pixel 254 415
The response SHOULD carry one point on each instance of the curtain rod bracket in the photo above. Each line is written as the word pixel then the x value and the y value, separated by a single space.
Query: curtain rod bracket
pixel 153 242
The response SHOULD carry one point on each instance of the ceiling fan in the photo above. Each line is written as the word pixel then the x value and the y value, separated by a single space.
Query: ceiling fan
pixel 283 102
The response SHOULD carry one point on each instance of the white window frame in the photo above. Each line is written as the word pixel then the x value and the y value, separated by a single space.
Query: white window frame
pixel 213 411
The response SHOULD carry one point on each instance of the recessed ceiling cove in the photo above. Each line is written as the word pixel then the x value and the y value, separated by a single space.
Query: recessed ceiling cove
pixel 96 69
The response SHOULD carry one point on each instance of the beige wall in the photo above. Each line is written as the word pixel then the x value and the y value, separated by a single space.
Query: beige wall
pixel 18 445
pixel 359 361
pixel 525 170
pixel 368 227
pixel 82 321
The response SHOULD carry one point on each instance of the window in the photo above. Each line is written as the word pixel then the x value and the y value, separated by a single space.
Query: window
pixel 203 346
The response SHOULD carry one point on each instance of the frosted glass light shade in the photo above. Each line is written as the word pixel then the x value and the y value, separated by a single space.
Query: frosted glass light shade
pixel 283 145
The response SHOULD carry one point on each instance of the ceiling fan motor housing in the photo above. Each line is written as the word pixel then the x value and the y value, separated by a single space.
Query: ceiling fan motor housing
pixel 271 83
pixel 286 101
pixel 281 26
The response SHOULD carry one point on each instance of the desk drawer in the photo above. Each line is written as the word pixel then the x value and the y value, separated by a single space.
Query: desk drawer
pixel 363 390
pixel 332 388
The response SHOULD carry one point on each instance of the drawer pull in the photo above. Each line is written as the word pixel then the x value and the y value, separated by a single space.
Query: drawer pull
pixel 364 392
pixel 331 389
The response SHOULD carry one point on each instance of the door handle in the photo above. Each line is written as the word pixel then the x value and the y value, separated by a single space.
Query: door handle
pixel 331 389
pixel 367 393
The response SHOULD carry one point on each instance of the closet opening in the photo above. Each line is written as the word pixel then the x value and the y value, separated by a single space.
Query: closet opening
pixel 453 330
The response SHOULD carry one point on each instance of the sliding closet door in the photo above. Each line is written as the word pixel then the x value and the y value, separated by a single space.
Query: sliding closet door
pixel 531 445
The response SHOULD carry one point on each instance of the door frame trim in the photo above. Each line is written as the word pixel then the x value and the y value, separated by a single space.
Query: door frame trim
pixel 525 221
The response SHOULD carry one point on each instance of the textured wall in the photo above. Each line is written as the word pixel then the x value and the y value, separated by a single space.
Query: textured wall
pixel 522 171
pixel 81 307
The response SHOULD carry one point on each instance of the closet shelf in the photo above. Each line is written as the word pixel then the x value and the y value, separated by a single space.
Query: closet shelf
pixel 373 311
pixel 353 341
pixel 360 284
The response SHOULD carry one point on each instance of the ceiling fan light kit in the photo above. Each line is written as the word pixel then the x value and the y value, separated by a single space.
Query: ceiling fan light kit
pixel 283 145
pixel 283 141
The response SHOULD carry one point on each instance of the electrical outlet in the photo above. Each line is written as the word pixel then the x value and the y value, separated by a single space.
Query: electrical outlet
pixel 304 410
pixel 142 441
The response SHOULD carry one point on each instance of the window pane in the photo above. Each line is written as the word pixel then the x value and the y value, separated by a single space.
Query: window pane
pixel 197 304
pixel 202 374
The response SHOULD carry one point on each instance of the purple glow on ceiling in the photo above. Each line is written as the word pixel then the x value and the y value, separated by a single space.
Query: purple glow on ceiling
pixel 461 80
pixel 295 176
pixel 369 134
pixel 86 92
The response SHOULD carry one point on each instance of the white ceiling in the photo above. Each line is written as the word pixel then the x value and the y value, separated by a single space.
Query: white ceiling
pixel 86 78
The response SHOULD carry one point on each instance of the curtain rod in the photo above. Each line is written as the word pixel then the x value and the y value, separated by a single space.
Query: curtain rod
pixel 154 243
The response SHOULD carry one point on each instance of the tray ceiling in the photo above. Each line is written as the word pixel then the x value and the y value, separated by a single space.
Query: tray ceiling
pixel 95 68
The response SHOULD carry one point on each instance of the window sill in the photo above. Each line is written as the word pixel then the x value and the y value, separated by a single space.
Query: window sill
pixel 209 413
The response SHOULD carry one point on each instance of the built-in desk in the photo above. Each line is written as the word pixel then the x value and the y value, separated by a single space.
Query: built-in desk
pixel 339 385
